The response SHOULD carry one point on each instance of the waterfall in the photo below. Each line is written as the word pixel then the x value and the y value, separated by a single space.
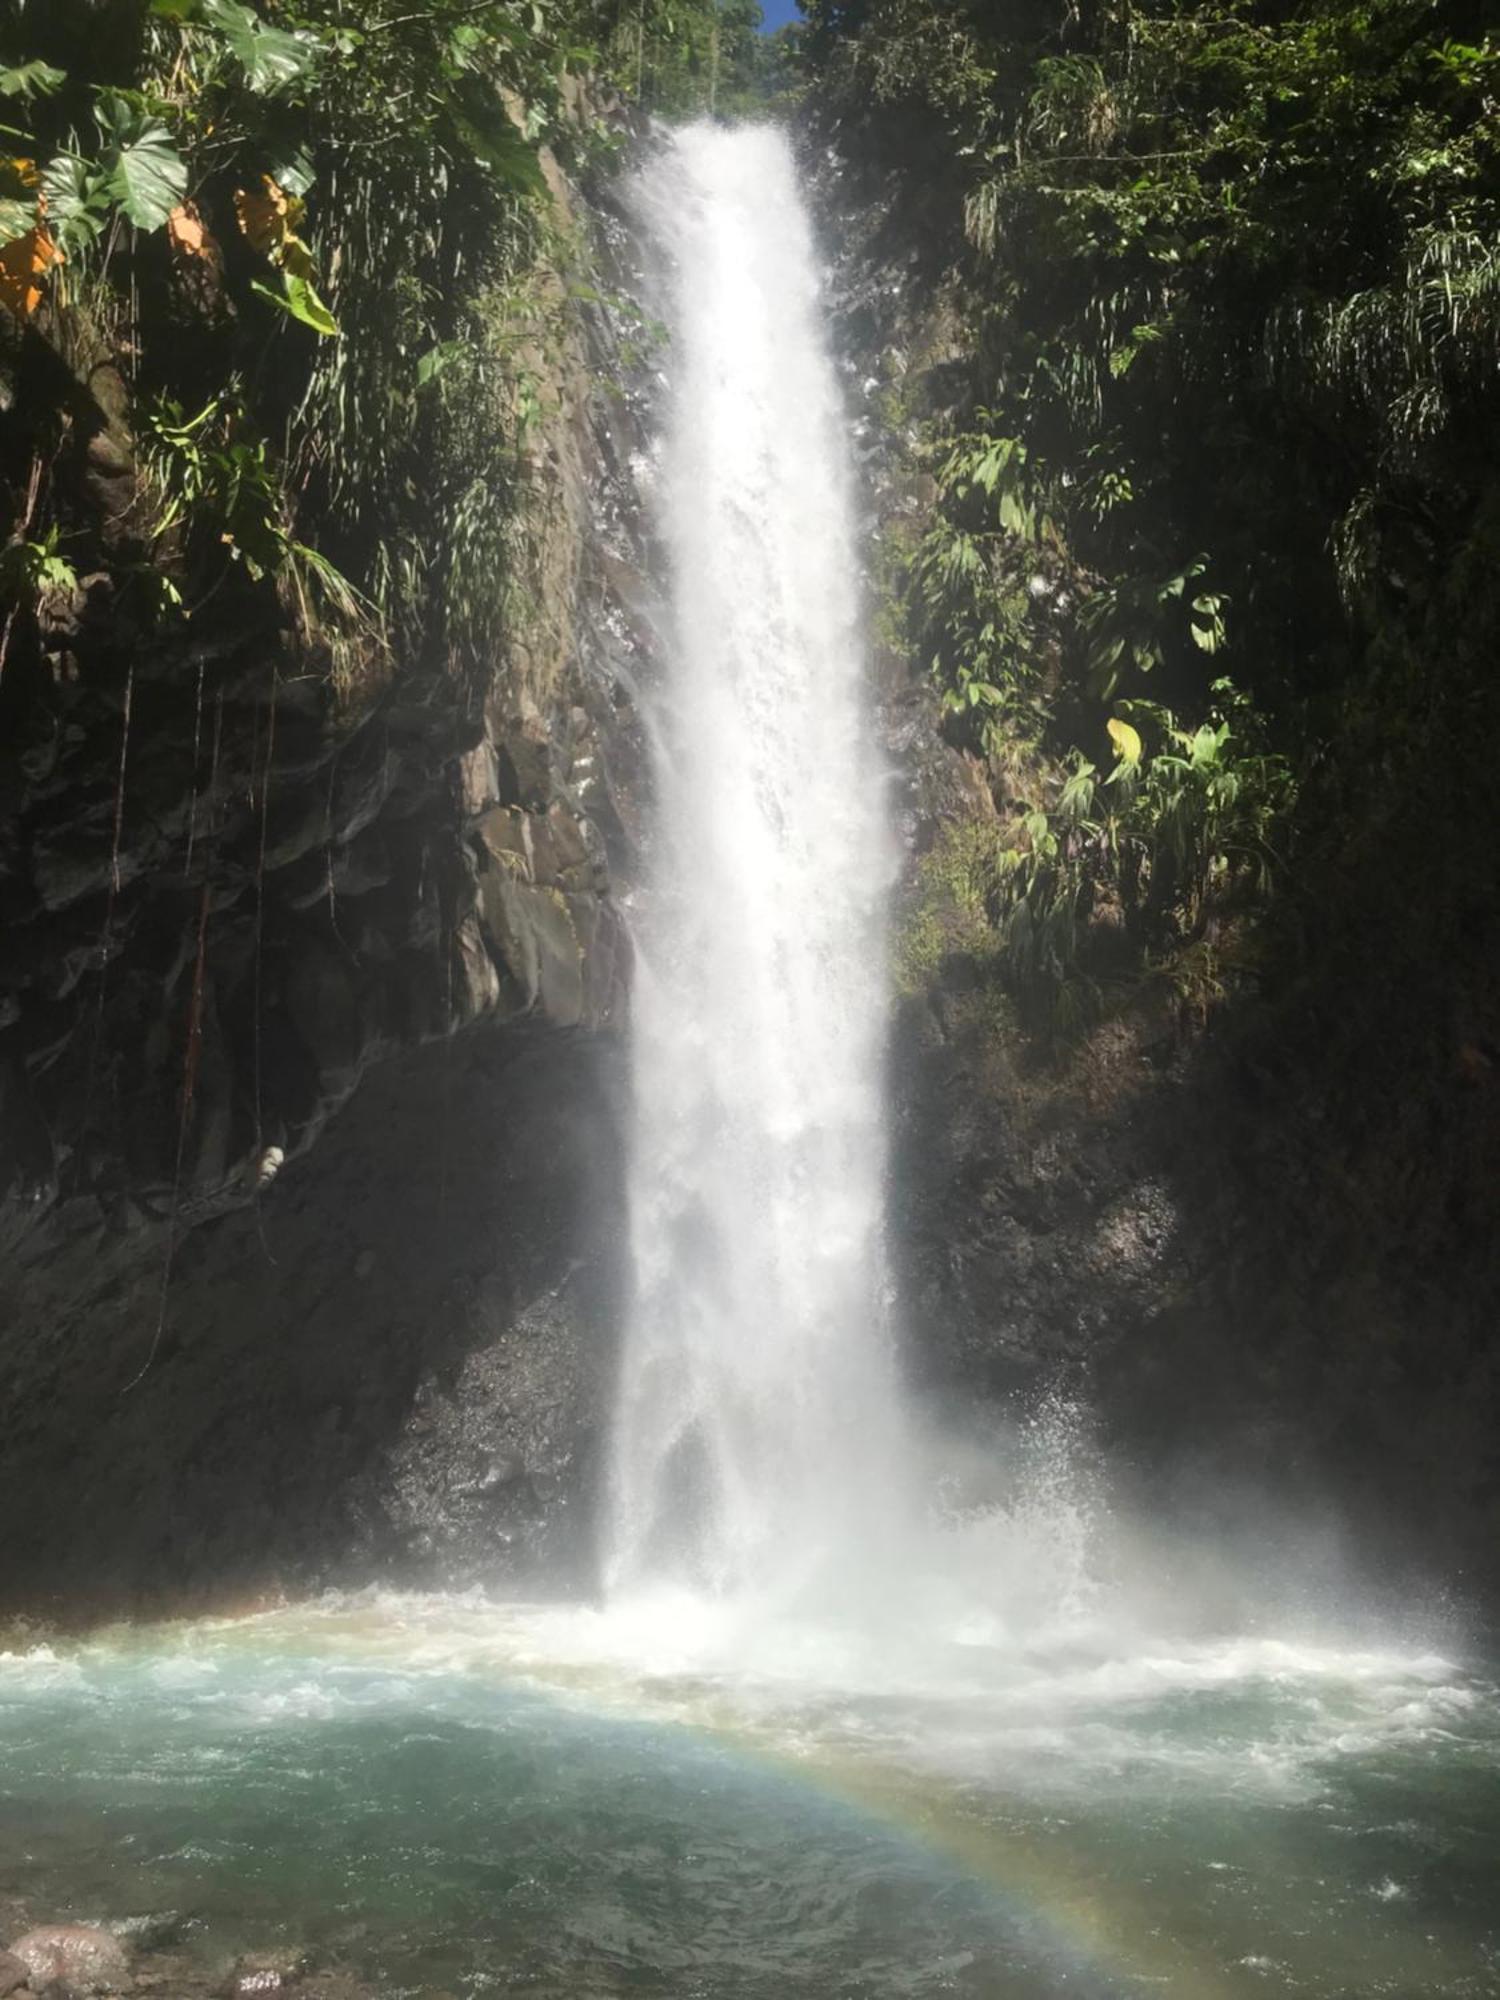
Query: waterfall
pixel 757 1447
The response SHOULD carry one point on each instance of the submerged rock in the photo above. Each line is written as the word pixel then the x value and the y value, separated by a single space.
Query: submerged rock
pixel 262 1975
pixel 12 1973
pixel 80 1956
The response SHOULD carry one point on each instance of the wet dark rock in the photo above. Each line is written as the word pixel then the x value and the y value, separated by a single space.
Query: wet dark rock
pixel 499 1454
pixel 13 1973
pixel 393 1367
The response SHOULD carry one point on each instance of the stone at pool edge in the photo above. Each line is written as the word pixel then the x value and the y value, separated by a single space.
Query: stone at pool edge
pixel 263 1975
pixel 80 1956
pixel 12 1973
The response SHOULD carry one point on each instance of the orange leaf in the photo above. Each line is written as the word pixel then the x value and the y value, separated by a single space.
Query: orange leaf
pixel 185 231
pixel 190 236
pixel 265 218
pixel 24 264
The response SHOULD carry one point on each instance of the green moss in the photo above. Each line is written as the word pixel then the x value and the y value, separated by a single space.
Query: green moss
pixel 945 915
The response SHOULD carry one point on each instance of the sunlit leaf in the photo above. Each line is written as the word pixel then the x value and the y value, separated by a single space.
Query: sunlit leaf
pixel 266 215
pixel 294 171
pixel 24 267
pixel 145 172
pixel 300 302
pixel 78 200
pixel 191 238
pixel 32 79
pixel 271 58
pixel 436 360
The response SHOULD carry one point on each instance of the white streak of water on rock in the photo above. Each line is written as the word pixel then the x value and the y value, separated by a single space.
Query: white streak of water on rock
pixel 758 1449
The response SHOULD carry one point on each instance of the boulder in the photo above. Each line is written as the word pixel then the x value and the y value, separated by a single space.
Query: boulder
pixel 80 1956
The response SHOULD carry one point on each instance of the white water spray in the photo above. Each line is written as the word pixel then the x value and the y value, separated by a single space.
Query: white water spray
pixel 758 1449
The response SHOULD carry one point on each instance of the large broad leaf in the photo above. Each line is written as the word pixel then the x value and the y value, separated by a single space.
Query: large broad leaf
pixel 303 303
pixel 271 58
pixel 78 199
pixel 33 79
pixel 1126 740
pixel 145 172
pixel 299 301
pixel 293 170
pixel 149 176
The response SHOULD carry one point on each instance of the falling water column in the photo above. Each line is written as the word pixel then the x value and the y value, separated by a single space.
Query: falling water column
pixel 758 1445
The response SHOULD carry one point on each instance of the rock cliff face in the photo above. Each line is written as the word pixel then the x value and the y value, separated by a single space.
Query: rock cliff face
pixel 311 1089
pixel 392 1368
pixel 246 1339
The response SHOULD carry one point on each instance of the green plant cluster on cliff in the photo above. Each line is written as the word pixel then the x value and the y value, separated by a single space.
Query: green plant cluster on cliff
pixel 1207 569
pixel 314 243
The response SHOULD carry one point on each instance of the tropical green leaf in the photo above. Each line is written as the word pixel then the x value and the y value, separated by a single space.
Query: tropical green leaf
pixel 436 360
pixel 1015 515
pixel 305 305
pixel 293 171
pixel 78 199
pixel 271 58
pixel 300 302
pixel 1126 740
pixel 145 172
pixel 32 79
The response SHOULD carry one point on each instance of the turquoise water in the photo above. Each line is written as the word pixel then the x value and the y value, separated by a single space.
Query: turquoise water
pixel 446 1796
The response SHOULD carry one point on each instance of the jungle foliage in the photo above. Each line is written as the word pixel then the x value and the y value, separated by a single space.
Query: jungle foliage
pixel 314 242
pixel 1208 569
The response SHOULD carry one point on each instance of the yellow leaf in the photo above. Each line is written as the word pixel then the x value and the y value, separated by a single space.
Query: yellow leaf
pixel 1125 739
pixel 297 258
